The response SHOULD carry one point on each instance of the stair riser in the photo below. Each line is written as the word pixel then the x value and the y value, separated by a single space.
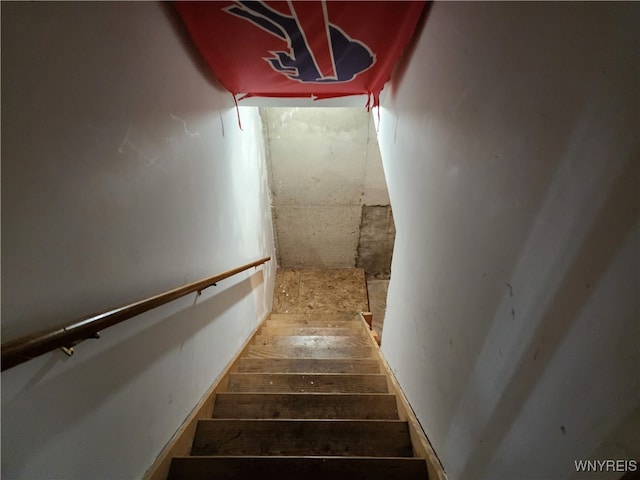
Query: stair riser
pixel 314 341
pixel 332 317
pixel 276 351
pixel 322 468
pixel 306 331
pixel 314 323
pixel 302 437
pixel 303 383
pixel 306 365
pixel 299 406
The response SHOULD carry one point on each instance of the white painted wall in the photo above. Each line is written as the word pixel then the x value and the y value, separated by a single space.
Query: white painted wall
pixel 510 146
pixel 124 174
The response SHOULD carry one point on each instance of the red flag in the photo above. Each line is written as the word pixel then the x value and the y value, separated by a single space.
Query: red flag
pixel 318 49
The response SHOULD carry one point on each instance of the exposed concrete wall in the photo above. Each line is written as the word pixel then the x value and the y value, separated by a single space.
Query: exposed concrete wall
pixel 124 174
pixel 375 244
pixel 325 165
pixel 375 185
pixel 510 145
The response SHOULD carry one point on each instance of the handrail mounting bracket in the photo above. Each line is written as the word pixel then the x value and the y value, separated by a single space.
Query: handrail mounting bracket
pixel 69 351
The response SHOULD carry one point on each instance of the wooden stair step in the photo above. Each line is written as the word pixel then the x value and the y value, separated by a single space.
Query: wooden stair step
pixel 307 383
pixel 313 322
pixel 307 365
pixel 305 331
pixel 338 317
pixel 308 398
pixel 315 341
pixel 297 468
pixel 372 438
pixel 303 405
pixel 294 351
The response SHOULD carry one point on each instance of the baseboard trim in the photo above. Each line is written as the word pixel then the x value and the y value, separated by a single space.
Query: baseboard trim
pixel 421 445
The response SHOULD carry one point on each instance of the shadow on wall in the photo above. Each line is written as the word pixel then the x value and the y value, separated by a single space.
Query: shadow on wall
pixel 604 239
pixel 520 265
pixel 173 19
pixel 403 63
pixel 75 393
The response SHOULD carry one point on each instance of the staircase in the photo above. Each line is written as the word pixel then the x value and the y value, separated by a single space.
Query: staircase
pixel 308 398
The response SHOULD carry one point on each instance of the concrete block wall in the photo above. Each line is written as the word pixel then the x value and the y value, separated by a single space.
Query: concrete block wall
pixel 325 167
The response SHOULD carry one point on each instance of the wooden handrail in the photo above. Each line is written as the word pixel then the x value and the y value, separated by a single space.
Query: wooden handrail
pixel 25 348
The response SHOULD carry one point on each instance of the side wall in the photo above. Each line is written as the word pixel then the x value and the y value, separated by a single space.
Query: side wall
pixel 510 145
pixel 124 173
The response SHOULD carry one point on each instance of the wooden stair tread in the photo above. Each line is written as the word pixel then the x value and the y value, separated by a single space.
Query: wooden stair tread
pixel 297 468
pixel 314 341
pixel 313 322
pixel 307 365
pixel 298 330
pixel 315 316
pixel 307 383
pixel 374 438
pixel 291 351
pixel 304 405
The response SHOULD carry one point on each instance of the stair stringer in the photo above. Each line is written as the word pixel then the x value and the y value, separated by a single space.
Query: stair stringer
pixel 421 445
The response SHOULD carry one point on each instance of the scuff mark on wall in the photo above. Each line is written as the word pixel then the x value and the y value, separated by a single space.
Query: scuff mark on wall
pixel 513 311
pixel 184 123
pixel 221 124
pixel 124 140
pixel 150 161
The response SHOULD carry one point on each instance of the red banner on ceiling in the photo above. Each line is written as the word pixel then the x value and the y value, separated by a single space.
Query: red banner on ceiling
pixel 317 49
